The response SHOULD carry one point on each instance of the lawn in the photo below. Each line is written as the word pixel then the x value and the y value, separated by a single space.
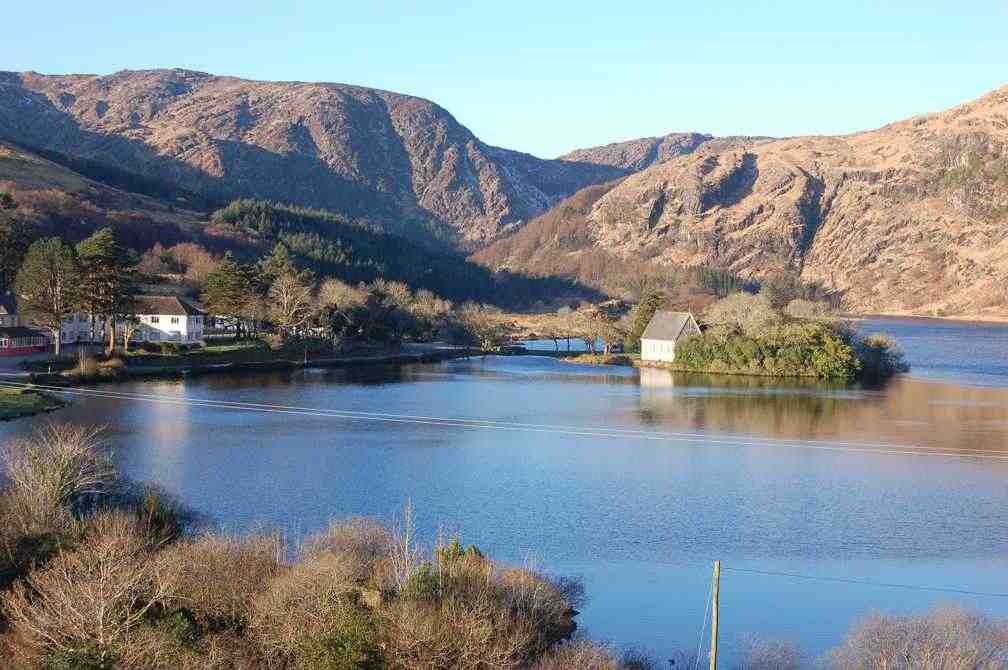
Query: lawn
pixel 16 403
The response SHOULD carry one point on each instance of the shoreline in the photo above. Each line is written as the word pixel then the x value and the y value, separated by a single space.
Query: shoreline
pixel 989 319
pixel 27 402
pixel 182 371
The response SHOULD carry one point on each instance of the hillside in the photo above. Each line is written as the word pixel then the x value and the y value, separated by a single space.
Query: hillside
pixel 55 200
pixel 400 161
pixel 908 218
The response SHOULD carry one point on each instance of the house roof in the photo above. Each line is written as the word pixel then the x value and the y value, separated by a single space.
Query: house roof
pixel 7 305
pixel 165 304
pixel 18 331
pixel 666 325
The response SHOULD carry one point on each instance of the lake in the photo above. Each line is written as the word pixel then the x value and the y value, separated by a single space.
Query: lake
pixel 823 503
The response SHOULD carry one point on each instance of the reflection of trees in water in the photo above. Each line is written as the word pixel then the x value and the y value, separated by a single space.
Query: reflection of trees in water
pixel 739 404
pixel 906 411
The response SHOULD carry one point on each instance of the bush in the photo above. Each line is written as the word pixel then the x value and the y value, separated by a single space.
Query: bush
pixel 751 314
pixel 947 637
pixel 220 577
pixel 82 606
pixel 170 349
pixel 58 472
pixel 578 655
pixel 881 357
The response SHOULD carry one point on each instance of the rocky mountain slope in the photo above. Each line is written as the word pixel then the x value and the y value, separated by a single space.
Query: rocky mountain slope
pixel 642 153
pixel 397 160
pixel 911 217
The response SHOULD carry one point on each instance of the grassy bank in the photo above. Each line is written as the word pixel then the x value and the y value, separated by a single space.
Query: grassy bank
pixel 17 403
pixel 244 355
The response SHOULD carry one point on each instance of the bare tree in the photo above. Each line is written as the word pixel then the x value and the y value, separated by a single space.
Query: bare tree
pixel 87 601
pixel 290 302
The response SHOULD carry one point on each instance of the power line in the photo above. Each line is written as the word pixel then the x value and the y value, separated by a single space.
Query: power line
pixel 575 431
pixel 864 582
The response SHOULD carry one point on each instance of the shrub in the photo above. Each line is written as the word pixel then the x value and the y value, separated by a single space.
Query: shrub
pixel 760 654
pixel 947 637
pixel 752 314
pixel 169 349
pixel 363 545
pixel 219 577
pixel 577 655
pixel 57 472
pixel 82 606
pixel 313 614
pixel 881 357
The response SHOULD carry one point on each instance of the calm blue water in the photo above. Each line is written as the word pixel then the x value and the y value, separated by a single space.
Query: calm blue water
pixel 635 481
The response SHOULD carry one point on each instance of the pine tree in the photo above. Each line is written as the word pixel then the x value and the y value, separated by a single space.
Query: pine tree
pixel 107 280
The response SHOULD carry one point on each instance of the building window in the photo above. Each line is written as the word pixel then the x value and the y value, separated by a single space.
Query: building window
pixel 174 319
pixel 154 319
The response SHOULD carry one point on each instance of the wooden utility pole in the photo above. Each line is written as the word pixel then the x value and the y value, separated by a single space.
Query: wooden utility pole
pixel 714 615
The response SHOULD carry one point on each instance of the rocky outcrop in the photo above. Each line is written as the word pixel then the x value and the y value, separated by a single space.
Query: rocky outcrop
pixel 401 161
pixel 912 217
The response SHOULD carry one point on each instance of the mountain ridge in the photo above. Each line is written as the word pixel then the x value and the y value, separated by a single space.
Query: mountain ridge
pixel 906 218
pixel 401 160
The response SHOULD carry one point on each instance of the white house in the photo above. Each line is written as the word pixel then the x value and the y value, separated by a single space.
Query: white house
pixel 161 318
pixel 168 319
pixel 663 332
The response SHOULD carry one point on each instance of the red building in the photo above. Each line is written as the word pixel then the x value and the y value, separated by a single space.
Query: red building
pixel 18 341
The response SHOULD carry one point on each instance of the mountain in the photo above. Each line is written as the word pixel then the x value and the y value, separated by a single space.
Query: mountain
pixel 400 161
pixel 908 218
pixel 635 155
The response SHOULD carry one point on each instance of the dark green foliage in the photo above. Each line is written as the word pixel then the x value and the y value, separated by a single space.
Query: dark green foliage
pixel 47 284
pixel 181 626
pixel 801 349
pixel 354 646
pixel 7 201
pixel 880 357
pixel 332 246
pixel 87 658
pixel 793 349
pixel 422 585
pixel 107 281
pixel 230 290
pixel 643 313
pixel 722 282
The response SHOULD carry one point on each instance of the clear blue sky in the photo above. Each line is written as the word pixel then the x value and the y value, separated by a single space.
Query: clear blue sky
pixel 546 77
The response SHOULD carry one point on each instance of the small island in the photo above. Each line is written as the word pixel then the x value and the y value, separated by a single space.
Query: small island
pixel 746 334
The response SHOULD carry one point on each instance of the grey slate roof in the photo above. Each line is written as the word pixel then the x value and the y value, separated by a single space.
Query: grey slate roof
pixel 165 304
pixel 666 325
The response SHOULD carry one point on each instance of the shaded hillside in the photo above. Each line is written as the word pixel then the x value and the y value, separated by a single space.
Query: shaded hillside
pixel 400 161
pixel 561 243
pixel 53 200
pixel 912 217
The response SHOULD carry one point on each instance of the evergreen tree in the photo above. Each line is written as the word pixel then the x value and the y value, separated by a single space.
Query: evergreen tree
pixel 107 280
pixel 643 313
pixel 230 291
pixel 13 243
pixel 46 285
